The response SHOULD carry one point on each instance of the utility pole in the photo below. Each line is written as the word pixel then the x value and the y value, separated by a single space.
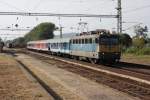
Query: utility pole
pixel 119 17
pixel 61 28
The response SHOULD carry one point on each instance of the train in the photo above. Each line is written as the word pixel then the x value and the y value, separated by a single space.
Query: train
pixel 9 45
pixel 95 46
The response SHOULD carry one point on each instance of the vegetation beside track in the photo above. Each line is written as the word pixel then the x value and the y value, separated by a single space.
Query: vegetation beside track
pixel 6 59
pixel 143 59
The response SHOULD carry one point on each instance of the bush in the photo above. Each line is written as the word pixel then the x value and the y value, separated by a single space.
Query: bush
pixel 143 51
pixel 138 51
pixel 131 50
pixel 139 42
pixel 125 40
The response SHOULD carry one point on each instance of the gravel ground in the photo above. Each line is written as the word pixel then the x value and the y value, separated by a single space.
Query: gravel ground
pixel 69 84
pixel 15 84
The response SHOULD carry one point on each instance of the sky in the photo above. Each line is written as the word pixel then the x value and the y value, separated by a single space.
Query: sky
pixel 134 12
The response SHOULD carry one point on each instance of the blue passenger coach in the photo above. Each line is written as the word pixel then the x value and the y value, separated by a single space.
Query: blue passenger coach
pixel 85 46
pixel 59 46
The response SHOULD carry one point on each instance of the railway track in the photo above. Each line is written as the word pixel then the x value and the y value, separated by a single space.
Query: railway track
pixel 139 88
pixel 143 69
pixel 127 85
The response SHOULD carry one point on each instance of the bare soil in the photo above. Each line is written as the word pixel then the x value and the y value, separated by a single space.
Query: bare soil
pixel 16 85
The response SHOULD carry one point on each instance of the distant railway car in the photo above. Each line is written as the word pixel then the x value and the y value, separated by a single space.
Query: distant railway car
pixel 55 46
pixel 9 45
pixel 59 46
pixel 41 45
pixel 94 47
pixel 1 46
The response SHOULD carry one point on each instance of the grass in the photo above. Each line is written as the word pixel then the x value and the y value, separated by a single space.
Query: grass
pixel 138 51
pixel 6 59
pixel 143 59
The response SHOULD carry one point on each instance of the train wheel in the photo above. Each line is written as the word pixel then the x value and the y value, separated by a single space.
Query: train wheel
pixel 76 57
pixel 94 61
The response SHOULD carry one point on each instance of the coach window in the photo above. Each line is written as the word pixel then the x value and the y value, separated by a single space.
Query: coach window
pixel 55 45
pixel 90 40
pixel 86 41
pixel 82 41
pixel 46 45
pixel 74 41
pixel 77 41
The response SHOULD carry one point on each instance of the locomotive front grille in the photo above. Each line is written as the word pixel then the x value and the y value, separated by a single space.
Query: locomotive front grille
pixel 110 48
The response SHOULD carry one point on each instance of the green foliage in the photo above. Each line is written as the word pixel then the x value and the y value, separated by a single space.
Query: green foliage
pixel 147 42
pixel 144 51
pixel 141 31
pixel 139 42
pixel 138 51
pixel 19 42
pixel 131 50
pixel 40 32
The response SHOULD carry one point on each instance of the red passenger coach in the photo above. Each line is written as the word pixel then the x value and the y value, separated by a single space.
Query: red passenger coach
pixel 38 45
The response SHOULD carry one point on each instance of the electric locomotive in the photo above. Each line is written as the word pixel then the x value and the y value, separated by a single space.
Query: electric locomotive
pixel 96 46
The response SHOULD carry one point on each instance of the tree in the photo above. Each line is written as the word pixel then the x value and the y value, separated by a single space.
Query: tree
pixel 125 40
pixel 141 31
pixel 0 39
pixel 19 42
pixel 139 42
pixel 41 31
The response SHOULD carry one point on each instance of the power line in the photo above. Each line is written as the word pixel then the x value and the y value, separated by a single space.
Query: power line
pixel 54 14
pixel 6 29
